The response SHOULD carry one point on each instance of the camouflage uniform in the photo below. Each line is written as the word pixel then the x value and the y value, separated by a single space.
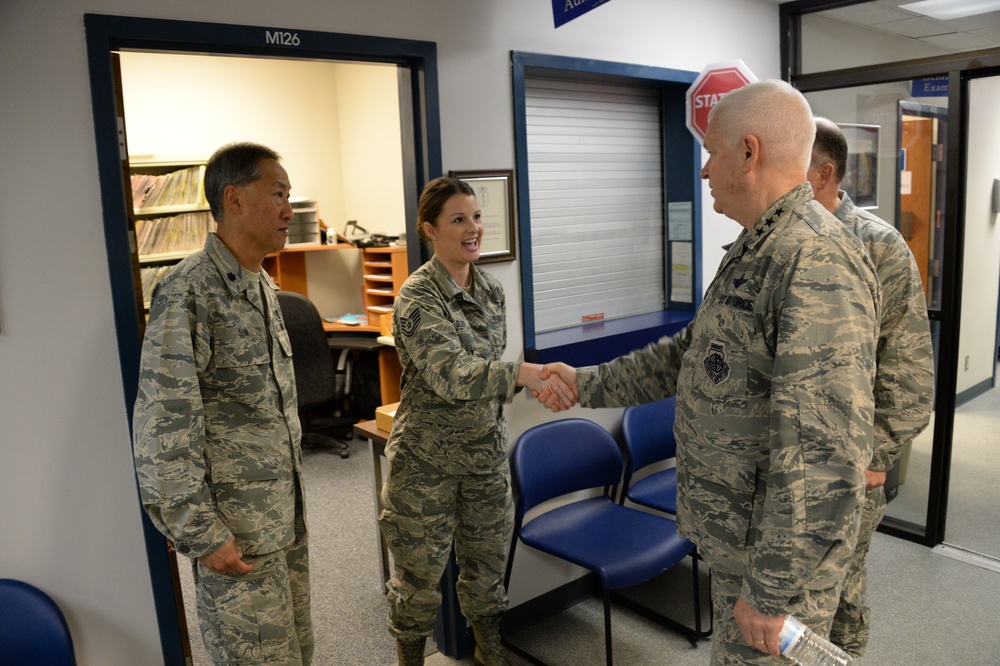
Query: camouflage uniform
pixel 904 391
pixel 217 453
pixel 449 478
pixel 774 415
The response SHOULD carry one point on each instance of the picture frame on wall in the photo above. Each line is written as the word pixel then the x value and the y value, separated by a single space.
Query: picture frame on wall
pixel 861 178
pixel 494 190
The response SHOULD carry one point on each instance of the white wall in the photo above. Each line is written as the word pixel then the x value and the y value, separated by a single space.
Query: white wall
pixel 981 269
pixel 70 519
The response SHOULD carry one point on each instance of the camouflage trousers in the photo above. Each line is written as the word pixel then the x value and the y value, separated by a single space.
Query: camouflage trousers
pixel 262 617
pixel 424 513
pixel 815 609
pixel 851 624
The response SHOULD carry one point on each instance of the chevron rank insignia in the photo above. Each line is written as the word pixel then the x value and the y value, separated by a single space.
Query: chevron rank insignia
pixel 408 323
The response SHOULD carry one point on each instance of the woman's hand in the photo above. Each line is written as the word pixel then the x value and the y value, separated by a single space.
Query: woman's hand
pixel 551 388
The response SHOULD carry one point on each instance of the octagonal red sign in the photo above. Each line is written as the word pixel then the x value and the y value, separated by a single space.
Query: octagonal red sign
pixel 712 85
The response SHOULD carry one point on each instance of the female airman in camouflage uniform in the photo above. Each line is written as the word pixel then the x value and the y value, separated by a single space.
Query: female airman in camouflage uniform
pixel 449 478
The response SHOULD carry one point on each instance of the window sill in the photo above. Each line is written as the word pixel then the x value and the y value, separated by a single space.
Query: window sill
pixel 590 344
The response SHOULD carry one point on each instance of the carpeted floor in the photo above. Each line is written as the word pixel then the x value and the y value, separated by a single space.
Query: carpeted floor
pixel 927 609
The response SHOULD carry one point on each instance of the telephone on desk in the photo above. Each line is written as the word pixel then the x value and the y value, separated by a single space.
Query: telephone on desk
pixel 360 237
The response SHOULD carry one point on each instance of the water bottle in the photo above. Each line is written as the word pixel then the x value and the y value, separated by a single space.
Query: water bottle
pixel 803 646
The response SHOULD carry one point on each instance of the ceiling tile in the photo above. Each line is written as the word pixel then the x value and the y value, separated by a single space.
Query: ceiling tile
pixel 992 34
pixel 960 41
pixel 916 27
pixel 970 23
pixel 866 14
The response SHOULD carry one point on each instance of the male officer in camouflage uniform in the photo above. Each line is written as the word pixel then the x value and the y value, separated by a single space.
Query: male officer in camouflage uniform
pixel 904 378
pixel 773 381
pixel 216 430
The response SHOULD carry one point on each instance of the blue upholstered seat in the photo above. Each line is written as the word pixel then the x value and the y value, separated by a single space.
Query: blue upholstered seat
pixel 33 629
pixel 622 545
pixel 649 438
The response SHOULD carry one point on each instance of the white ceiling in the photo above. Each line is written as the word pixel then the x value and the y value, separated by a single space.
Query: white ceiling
pixel 965 34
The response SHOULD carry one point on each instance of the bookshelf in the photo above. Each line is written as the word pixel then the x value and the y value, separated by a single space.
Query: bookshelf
pixel 385 269
pixel 172 216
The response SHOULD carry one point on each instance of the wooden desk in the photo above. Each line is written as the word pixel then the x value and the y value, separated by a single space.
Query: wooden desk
pixel 333 327
pixel 451 633
pixel 378 439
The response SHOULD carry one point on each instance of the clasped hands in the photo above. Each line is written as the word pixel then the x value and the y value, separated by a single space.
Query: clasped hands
pixel 553 384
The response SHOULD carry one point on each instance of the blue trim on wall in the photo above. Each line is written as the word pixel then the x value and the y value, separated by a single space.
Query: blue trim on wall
pixel 681 175
pixel 602 341
pixel 105 34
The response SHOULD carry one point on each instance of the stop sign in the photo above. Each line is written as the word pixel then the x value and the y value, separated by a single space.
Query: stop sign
pixel 712 85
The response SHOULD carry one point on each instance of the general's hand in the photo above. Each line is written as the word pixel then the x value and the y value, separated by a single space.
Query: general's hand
pixel 874 480
pixel 759 631
pixel 227 559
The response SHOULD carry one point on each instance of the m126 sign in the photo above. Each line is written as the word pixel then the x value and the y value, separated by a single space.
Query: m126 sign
pixel 712 85
pixel 564 11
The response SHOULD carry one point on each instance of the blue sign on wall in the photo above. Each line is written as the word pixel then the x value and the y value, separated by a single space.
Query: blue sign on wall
pixel 933 86
pixel 564 11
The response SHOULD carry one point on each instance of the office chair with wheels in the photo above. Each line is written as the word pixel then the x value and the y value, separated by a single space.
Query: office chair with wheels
pixel 649 439
pixel 622 545
pixel 33 629
pixel 317 381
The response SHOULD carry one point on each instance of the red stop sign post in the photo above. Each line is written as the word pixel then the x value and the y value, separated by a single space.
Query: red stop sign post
pixel 712 85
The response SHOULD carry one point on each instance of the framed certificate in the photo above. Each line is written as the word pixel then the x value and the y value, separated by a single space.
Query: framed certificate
pixel 495 193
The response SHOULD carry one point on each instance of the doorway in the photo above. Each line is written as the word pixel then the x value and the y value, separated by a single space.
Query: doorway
pixel 975 466
pixel 416 67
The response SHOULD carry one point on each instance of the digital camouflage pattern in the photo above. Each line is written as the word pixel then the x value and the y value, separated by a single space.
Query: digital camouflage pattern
pixel 774 381
pixel 246 618
pixel 449 477
pixel 424 512
pixel 904 379
pixel 904 393
pixel 215 425
pixel 453 383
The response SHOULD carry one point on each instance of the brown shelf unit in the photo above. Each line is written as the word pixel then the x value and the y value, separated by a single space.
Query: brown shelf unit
pixel 170 214
pixel 385 269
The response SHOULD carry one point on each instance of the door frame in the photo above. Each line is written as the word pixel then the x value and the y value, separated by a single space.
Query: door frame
pixel 105 35
pixel 959 68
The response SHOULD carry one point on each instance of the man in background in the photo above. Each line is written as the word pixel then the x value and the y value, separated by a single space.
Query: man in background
pixel 216 427
pixel 773 380
pixel 904 378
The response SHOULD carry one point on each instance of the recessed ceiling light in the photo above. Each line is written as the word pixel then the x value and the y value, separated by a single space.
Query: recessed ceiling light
pixel 952 9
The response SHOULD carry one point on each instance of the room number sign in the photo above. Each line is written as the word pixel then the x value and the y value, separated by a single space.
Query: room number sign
pixel 282 37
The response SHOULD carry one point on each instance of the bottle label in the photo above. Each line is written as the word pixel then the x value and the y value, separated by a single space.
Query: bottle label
pixel 790 634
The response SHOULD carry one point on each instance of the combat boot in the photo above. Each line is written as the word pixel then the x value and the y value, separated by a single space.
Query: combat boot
pixel 489 651
pixel 411 653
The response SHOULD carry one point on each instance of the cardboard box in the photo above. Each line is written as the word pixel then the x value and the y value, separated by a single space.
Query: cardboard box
pixel 384 416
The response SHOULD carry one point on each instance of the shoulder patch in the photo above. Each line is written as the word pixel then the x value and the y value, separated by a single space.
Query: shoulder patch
pixel 409 323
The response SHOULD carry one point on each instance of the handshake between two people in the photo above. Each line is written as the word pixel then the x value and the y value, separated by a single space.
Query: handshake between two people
pixel 553 384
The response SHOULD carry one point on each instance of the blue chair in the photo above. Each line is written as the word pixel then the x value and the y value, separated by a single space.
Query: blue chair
pixel 623 546
pixel 649 438
pixel 648 432
pixel 32 628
